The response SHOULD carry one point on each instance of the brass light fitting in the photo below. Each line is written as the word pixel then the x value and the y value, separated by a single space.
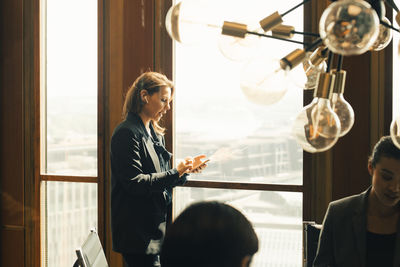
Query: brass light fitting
pixel 293 59
pixel 325 84
pixel 271 21
pixel 234 29
pixel 283 31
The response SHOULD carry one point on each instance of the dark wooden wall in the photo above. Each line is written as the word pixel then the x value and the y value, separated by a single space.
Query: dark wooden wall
pixel 11 134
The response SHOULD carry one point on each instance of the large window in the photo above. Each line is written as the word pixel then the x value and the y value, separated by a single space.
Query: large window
pixel 255 163
pixel 68 41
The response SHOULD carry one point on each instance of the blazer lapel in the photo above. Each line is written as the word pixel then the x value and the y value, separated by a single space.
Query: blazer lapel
pixel 150 147
pixel 138 124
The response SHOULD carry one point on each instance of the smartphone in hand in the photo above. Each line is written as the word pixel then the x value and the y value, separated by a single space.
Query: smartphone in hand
pixel 198 163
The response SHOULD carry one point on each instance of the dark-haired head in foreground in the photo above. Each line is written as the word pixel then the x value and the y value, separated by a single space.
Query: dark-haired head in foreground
pixel 208 234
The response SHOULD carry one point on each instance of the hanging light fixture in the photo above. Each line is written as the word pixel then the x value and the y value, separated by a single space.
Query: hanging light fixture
pixel 235 43
pixel 384 36
pixel 317 127
pixel 349 27
pixel 239 49
pixel 275 19
pixel 263 84
pixel 339 105
pixel 266 86
pixel 192 22
pixel 346 27
pixel 313 65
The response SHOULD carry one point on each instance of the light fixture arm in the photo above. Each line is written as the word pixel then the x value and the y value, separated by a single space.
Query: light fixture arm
pixel 313 45
pixel 389 26
pixel 275 37
pixel 287 32
pixel 275 18
pixel 329 62
pixel 297 56
pixel 340 63
pixel 293 8
pixel 306 33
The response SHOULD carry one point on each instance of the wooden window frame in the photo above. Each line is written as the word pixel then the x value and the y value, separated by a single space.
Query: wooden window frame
pixel 39 176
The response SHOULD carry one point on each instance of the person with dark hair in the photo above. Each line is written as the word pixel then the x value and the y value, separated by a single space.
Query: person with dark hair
pixel 141 177
pixel 364 229
pixel 209 234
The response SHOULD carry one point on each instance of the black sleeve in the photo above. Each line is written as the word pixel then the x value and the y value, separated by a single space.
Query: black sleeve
pixel 182 180
pixel 126 166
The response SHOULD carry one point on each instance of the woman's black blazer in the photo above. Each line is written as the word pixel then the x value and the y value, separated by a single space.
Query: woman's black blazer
pixel 139 189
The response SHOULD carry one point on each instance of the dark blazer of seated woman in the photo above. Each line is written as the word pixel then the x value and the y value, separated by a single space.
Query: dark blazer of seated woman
pixel 343 237
pixel 364 229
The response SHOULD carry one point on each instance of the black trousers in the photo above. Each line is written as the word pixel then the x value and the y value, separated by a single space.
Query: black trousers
pixel 141 260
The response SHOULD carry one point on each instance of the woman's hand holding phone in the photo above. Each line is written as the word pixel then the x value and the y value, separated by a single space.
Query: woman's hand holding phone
pixel 199 163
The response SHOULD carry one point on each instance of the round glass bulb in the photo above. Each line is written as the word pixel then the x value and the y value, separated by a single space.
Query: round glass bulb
pixel 312 72
pixel 263 81
pixel 317 127
pixel 345 112
pixel 349 27
pixel 384 36
pixel 395 131
pixel 192 22
pixel 239 49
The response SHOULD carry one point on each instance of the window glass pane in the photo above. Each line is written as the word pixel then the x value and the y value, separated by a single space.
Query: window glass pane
pixel 69 54
pixel 276 217
pixel 396 71
pixel 70 213
pixel 246 142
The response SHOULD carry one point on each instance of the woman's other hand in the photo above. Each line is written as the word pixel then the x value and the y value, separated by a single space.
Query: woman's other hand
pixel 184 166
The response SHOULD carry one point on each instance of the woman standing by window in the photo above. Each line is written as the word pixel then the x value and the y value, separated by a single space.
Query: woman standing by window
pixel 141 178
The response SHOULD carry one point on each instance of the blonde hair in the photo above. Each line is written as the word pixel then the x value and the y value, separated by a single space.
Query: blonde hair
pixel 150 81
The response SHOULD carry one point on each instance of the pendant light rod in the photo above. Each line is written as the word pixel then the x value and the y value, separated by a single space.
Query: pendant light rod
pixel 274 37
pixel 313 45
pixel 340 62
pixel 329 62
pixel 306 33
pixel 293 8
pixel 389 26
